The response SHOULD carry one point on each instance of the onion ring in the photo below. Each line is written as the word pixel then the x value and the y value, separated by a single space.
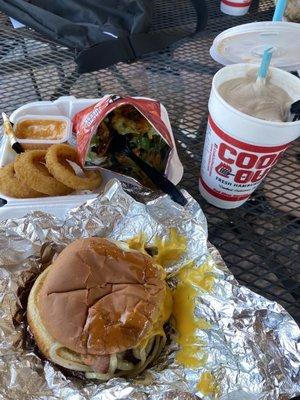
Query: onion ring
pixel 29 168
pixel 11 186
pixel 55 161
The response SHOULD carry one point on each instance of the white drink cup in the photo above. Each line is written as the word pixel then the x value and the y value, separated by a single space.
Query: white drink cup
pixel 235 7
pixel 240 150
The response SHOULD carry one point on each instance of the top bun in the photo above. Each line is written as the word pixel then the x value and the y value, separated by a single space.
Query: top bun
pixel 100 298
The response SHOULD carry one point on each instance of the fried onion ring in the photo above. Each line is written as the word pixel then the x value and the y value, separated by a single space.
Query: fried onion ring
pixel 30 168
pixel 55 161
pixel 11 186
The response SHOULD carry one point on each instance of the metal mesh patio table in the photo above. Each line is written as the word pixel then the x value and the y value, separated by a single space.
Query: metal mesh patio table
pixel 260 240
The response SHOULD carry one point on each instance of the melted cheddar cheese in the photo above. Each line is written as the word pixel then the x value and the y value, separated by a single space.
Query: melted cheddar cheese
pixel 138 242
pixel 192 352
pixel 207 385
pixel 166 250
pixel 169 249
pixel 191 278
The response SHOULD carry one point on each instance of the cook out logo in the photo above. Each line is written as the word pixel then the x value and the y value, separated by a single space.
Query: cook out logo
pixel 250 167
pixel 224 170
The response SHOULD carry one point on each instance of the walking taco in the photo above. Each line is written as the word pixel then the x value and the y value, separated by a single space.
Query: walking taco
pixel 147 127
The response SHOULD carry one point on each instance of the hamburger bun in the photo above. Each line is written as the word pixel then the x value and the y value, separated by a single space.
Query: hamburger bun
pixel 100 308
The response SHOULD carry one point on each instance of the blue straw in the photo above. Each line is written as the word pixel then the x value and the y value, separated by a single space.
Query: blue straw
pixel 279 10
pixel 265 62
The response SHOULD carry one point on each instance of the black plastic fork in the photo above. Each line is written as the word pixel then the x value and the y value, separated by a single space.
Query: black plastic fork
pixel 119 144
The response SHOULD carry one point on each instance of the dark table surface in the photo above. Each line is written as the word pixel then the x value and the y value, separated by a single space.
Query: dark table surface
pixel 260 240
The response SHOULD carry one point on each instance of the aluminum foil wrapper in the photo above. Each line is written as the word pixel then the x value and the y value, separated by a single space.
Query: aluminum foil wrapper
pixel 251 347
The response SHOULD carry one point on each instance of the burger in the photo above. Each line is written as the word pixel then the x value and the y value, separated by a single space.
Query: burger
pixel 100 308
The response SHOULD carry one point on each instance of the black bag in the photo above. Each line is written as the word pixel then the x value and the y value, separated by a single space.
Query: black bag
pixel 102 32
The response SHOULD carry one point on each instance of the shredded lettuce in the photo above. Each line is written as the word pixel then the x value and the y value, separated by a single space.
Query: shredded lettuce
pixel 95 140
pixel 141 142
pixel 93 158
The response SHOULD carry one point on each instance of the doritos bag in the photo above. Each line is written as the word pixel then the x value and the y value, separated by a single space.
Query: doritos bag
pixel 146 124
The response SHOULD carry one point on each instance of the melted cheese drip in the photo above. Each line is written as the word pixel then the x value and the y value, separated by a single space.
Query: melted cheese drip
pixel 198 277
pixel 191 353
pixel 207 385
pixel 170 249
pixel 138 242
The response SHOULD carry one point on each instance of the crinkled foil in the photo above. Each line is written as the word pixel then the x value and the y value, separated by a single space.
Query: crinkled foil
pixel 252 344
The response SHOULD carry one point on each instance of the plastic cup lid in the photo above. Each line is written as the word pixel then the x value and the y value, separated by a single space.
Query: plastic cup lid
pixel 246 44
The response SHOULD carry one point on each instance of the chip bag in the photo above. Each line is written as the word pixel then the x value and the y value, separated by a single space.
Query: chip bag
pixel 149 133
